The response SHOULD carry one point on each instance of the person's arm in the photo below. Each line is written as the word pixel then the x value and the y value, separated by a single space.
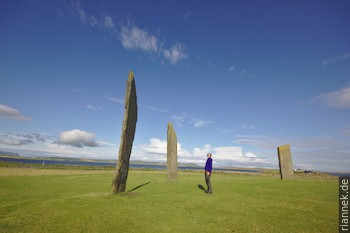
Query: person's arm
pixel 210 166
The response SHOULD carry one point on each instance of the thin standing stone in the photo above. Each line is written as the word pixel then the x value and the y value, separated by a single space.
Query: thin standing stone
pixel 171 153
pixel 127 137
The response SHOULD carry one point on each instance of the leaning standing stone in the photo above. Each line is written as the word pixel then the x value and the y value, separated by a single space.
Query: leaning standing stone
pixel 171 154
pixel 127 137
pixel 285 162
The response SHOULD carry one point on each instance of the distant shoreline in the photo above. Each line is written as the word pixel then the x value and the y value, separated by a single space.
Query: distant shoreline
pixel 97 163
pixel 56 161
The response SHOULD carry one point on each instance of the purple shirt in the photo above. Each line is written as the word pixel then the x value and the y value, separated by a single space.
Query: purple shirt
pixel 208 165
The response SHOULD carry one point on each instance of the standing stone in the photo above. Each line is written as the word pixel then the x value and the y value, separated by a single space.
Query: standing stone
pixel 285 162
pixel 171 154
pixel 127 137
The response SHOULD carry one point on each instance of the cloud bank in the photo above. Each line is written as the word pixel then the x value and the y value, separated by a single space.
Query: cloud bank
pixel 12 139
pixel 156 150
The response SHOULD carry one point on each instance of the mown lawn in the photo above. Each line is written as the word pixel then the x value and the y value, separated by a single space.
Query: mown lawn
pixel 38 200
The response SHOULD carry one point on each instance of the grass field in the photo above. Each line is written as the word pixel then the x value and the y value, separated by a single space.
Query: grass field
pixel 40 200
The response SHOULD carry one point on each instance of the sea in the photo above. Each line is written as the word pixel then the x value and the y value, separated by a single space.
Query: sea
pixel 136 166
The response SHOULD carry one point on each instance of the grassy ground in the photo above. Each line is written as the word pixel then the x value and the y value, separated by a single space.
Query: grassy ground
pixel 39 200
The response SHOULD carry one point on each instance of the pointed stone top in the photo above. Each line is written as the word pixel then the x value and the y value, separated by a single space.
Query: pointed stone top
pixel 169 124
pixel 131 75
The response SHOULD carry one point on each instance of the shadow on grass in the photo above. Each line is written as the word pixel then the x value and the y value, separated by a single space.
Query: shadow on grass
pixel 139 186
pixel 201 187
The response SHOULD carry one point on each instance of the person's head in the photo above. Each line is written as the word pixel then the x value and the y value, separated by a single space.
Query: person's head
pixel 209 155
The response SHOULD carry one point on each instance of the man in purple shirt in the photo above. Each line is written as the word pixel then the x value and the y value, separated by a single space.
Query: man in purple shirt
pixel 207 173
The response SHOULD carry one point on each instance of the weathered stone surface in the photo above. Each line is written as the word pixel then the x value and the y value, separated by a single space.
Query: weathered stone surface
pixel 171 153
pixel 127 136
pixel 285 161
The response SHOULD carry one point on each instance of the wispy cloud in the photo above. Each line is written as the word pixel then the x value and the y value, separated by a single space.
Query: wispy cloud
pixel 187 15
pixel 132 36
pixel 231 69
pixel 198 123
pixel 77 138
pixel 181 119
pixel 102 22
pixel 346 131
pixel 156 109
pixel 336 99
pixel 115 100
pixel 177 52
pixel 247 126
pixel 11 113
pixel 94 108
pixel 257 141
pixel 135 38
pixel 336 59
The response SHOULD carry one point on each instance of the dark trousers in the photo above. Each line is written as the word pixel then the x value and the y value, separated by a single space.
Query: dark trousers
pixel 207 181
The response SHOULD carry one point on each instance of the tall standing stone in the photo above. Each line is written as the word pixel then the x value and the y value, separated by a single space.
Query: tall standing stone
pixel 171 153
pixel 127 137
pixel 285 162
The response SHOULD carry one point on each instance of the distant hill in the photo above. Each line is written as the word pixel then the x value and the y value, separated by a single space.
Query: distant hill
pixel 9 154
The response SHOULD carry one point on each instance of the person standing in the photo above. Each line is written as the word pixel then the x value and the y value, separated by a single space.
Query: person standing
pixel 207 172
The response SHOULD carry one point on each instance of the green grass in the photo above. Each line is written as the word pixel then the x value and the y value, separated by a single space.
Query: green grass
pixel 79 202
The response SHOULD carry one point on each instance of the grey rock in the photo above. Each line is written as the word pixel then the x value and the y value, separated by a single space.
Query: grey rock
pixel 127 136
pixel 171 153
pixel 285 162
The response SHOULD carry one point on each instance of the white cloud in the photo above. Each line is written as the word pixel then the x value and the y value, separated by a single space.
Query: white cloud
pixel 336 99
pixel 11 113
pixel 135 38
pixel 77 138
pixel 335 59
pixel 232 155
pixel 155 146
pixel 176 53
pixel 231 69
pixel 199 152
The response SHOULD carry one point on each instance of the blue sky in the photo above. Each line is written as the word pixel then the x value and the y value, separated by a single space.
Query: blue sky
pixel 236 78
